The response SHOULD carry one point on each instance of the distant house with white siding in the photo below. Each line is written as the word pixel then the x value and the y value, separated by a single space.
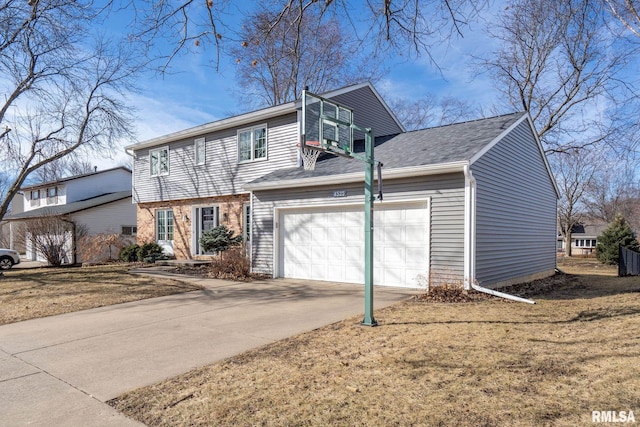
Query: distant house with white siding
pixel 94 203
pixel 472 202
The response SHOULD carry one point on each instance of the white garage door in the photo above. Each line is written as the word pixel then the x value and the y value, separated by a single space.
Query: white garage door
pixel 328 243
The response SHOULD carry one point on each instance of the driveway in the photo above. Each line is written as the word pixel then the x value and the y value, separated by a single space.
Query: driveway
pixel 60 370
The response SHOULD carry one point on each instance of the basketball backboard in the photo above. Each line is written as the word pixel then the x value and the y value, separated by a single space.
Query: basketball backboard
pixel 326 125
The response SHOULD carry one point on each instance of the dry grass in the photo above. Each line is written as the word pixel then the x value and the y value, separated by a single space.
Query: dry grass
pixel 487 363
pixel 32 293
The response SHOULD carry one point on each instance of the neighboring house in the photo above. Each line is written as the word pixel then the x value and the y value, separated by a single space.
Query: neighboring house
pixel 92 204
pixel 7 237
pixel 468 202
pixel 584 237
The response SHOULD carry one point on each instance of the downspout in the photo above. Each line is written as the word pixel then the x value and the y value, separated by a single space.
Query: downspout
pixel 470 241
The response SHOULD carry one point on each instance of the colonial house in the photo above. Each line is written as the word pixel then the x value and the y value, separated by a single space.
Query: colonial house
pixel 90 204
pixel 473 201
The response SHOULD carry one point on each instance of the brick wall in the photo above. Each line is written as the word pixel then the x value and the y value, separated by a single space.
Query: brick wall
pixel 230 215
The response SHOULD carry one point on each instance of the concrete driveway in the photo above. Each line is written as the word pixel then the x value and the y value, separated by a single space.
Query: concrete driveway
pixel 60 370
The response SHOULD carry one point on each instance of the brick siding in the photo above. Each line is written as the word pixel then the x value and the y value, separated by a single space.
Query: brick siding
pixel 230 208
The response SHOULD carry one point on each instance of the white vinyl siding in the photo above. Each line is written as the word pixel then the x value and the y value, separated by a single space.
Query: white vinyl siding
pixel 223 174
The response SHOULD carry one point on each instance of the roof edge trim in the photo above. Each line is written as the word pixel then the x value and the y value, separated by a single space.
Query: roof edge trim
pixel 358 177
pixel 240 120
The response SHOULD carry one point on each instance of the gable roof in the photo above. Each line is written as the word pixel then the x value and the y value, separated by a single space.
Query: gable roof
pixel 71 178
pixel 433 150
pixel 69 208
pixel 362 94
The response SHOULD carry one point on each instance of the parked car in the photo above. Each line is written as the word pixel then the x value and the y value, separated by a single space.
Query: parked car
pixel 8 258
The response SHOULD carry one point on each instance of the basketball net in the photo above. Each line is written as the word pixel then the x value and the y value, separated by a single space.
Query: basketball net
pixel 309 158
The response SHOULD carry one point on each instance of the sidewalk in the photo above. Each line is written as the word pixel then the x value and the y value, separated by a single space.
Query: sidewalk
pixel 60 370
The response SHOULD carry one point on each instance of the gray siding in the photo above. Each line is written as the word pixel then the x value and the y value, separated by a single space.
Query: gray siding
pixel 368 112
pixel 515 210
pixel 447 216
pixel 221 174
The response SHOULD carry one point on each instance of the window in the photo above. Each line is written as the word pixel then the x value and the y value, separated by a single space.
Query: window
pixel 129 230
pixel 199 149
pixel 164 225
pixel 206 218
pixel 252 144
pixel 35 198
pixel 586 243
pixel 159 160
pixel 52 195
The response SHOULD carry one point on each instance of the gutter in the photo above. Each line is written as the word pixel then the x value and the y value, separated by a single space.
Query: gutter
pixel 335 179
pixel 470 241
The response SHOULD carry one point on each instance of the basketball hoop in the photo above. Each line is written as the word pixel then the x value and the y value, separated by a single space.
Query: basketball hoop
pixel 309 155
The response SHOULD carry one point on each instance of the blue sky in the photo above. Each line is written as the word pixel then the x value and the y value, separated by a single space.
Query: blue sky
pixel 193 92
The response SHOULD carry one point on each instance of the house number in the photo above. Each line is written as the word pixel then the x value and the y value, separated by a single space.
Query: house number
pixel 340 193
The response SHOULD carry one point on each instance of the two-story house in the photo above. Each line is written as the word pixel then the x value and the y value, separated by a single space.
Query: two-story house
pixel 473 202
pixel 92 203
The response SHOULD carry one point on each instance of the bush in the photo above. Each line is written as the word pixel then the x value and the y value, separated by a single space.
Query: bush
pixel 129 253
pixel 618 234
pixel 219 239
pixel 234 266
pixel 149 252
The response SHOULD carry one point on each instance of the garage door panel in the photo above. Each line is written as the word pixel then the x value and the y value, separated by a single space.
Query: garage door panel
pixel 334 240
pixel 415 233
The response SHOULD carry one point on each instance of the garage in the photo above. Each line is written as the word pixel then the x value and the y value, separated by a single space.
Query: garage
pixel 327 243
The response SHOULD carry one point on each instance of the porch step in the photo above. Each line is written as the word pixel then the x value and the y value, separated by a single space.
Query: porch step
pixel 181 262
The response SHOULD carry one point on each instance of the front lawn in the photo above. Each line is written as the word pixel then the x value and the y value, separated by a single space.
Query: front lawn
pixel 32 293
pixel 485 363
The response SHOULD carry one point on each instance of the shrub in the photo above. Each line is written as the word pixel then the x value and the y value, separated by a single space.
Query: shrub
pixel 234 266
pixel 129 253
pixel 102 247
pixel 618 234
pixel 219 239
pixel 149 252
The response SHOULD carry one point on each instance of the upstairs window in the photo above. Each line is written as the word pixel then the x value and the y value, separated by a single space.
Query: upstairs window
pixel 35 198
pixel 252 144
pixel 199 151
pixel 52 195
pixel 159 161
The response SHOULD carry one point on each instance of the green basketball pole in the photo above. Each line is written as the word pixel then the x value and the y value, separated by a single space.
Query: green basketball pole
pixel 368 230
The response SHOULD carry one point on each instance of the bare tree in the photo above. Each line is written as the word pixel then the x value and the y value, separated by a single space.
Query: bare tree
pixel 407 27
pixel 431 111
pixel 559 62
pixel 275 63
pixel 53 237
pixel 61 95
pixel 57 169
pixel 614 190
pixel 575 170
pixel 628 12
